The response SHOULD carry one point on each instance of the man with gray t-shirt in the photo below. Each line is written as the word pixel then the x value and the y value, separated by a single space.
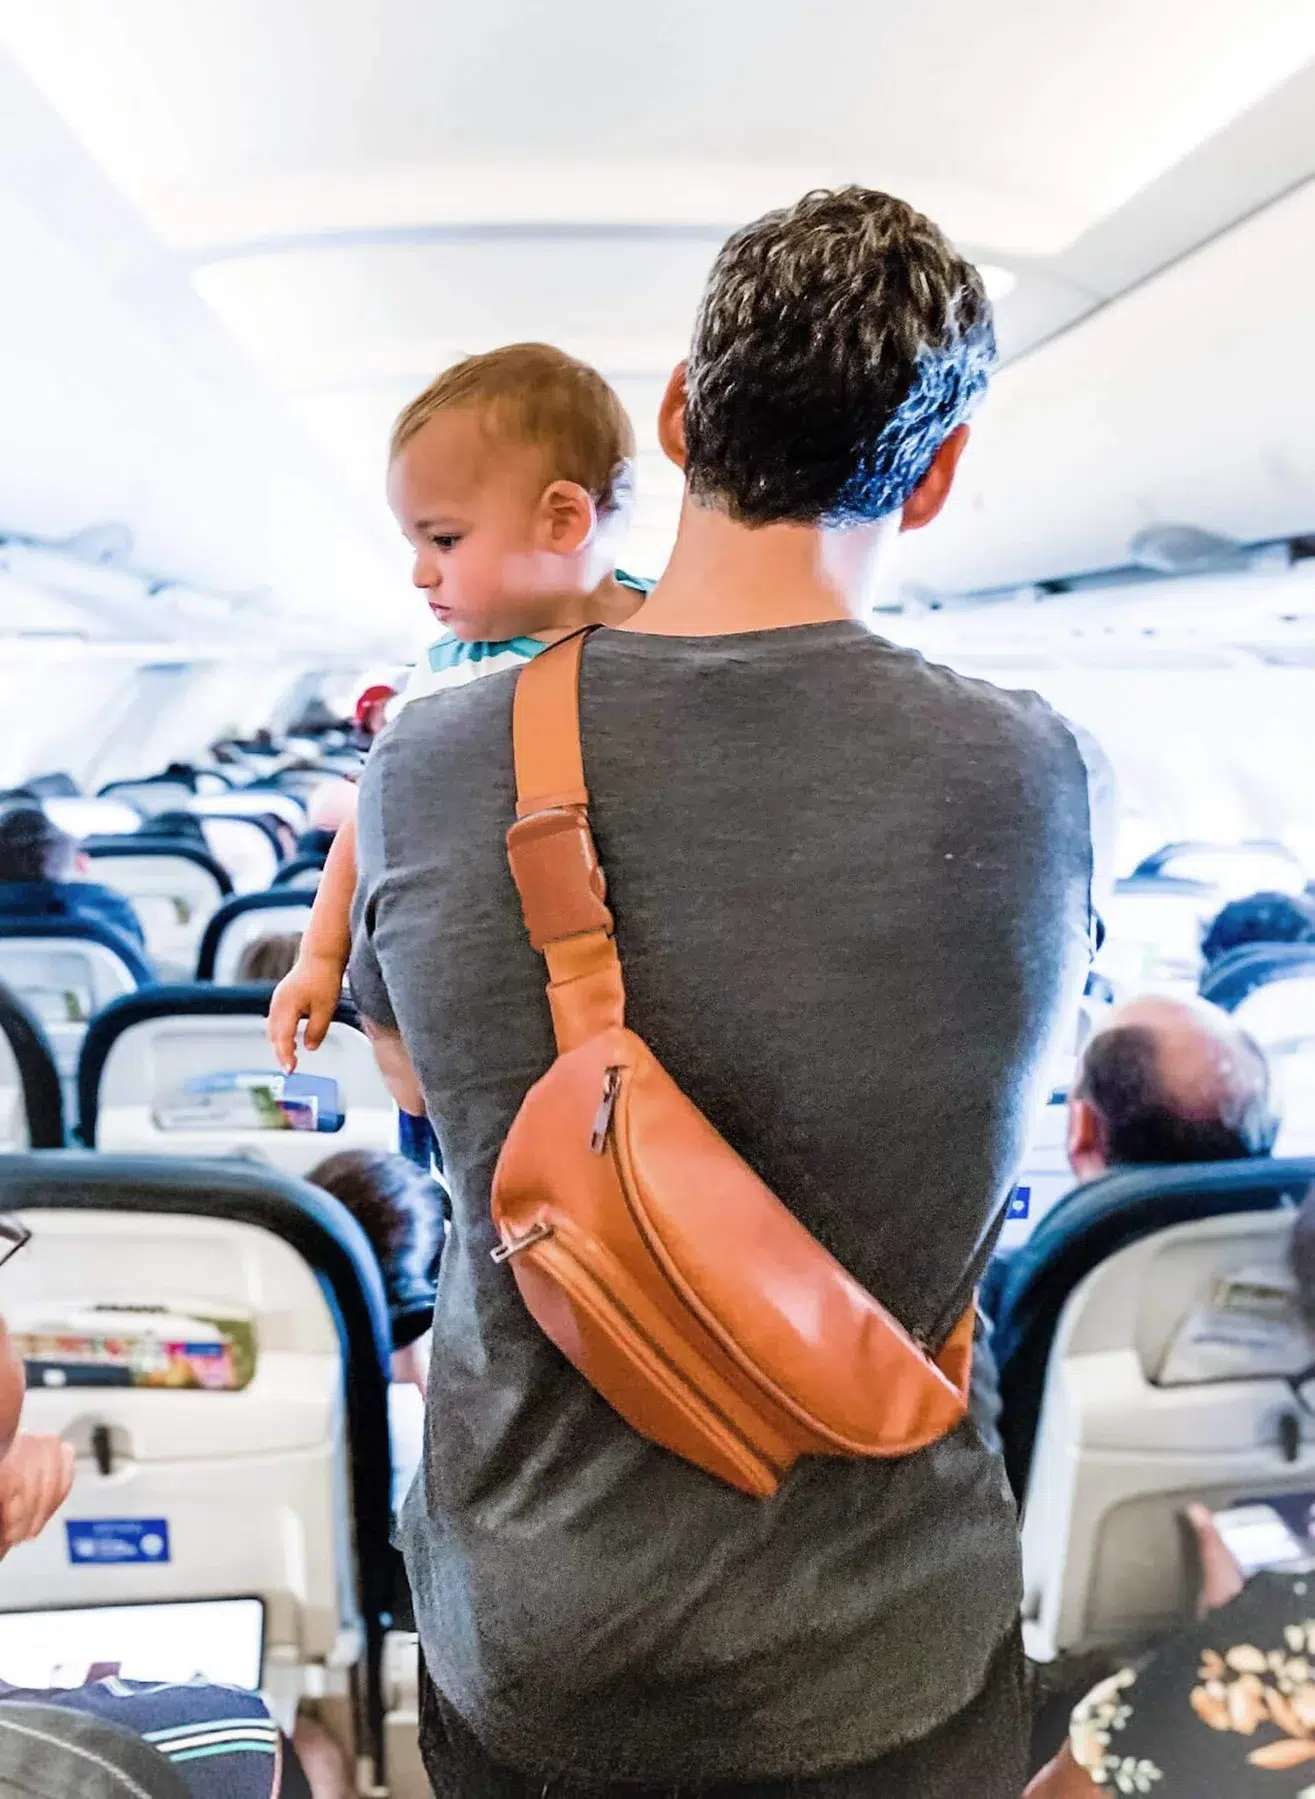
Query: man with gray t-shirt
pixel 852 899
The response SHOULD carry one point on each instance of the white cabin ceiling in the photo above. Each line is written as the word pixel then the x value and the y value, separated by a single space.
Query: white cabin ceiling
pixel 361 190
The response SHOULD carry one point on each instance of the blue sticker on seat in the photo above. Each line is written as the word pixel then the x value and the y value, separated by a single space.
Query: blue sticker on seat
pixel 117 1540
pixel 1020 1203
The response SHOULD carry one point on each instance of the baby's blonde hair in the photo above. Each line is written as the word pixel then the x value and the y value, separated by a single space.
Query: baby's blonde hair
pixel 535 394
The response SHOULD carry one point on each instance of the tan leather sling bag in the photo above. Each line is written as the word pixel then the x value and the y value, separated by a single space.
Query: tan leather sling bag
pixel 655 1259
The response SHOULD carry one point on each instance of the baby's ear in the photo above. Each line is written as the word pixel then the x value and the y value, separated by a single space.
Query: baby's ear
pixel 569 517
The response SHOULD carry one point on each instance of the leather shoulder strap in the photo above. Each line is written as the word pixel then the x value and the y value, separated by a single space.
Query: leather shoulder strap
pixel 546 730
pixel 551 849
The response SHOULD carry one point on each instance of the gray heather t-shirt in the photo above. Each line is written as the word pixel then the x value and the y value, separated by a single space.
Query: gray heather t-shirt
pixel 851 893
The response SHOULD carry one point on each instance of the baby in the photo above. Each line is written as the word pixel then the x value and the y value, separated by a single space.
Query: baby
pixel 510 477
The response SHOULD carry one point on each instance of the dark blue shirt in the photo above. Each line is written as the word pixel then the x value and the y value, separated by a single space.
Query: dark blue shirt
pixel 85 901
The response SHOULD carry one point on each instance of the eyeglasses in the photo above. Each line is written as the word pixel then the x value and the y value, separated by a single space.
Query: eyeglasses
pixel 13 1236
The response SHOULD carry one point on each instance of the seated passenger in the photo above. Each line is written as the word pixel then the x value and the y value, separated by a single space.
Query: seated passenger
pixel 269 958
pixel 400 1209
pixel 1167 1081
pixel 1163 1081
pixel 1221 1706
pixel 1260 918
pixel 330 807
pixel 41 876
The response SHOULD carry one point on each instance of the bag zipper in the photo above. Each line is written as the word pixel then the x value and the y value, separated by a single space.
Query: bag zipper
pixel 603 1116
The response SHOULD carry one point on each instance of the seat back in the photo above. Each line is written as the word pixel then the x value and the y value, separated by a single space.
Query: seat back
pixel 275 1487
pixel 303 872
pixel 84 817
pixel 174 886
pixel 1134 1379
pixel 1232 869
pixel 1268 986
pixel 158 793
pixel 64 971
pixel 246 847
pixel 243 920
pixel 188 1071
pixel 245 802
pixel 1154 926
pixel 31 1105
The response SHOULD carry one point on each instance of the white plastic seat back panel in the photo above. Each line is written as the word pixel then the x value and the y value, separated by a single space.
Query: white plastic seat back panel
pixel 241 846
pixel 148 1065
pixel 251 1485
pixel 1280 1013
pixel 172 897
pixel 1293 1080
pixel 91 817
pixel 268 800
pixel 1153 941
pixel 1118 1456
pixel 64 982
pixel 13 1110
pixel 248 928
pixel 1237 871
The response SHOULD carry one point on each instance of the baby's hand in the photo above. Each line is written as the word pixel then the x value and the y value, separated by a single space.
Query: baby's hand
pixel 35 1478
pixel 311 991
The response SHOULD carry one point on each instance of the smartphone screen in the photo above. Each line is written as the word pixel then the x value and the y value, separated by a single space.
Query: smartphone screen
pixel 1257 1537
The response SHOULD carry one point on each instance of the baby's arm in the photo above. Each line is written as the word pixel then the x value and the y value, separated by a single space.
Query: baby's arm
pixel 314 987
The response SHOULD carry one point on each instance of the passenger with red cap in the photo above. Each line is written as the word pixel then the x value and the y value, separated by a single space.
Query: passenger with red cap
pixel 372 710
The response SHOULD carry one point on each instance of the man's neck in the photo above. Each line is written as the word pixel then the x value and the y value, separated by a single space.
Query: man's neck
pixel 724 578
pixel 610 603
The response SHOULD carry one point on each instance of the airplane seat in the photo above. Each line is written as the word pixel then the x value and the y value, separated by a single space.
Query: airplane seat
pixel 92 817
pixel 243 802
pixel 1232 869
pixel 174 886
pixel 245 1460
pixel 31 1104
pixel 1267 985
pixel 59 785
pixel 154 793
pixel 188 1071
pixel 1145 1339
pixel 243 920
pixel 300 871
pixel 1154 925
pixel 292 783
pixel 246 846
pixel 65 971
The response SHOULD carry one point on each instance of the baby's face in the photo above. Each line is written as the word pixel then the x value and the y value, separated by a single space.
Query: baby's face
pixel 469 507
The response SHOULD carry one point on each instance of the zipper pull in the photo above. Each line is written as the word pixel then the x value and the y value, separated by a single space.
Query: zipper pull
pixel 603 1116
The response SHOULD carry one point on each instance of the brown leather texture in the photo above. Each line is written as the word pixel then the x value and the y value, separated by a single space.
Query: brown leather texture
pixel 652 1255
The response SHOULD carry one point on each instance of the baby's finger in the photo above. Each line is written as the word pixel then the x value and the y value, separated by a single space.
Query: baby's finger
pixel 281 1026
pixel 318 1021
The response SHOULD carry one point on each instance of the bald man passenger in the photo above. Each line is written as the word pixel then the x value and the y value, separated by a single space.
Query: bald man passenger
pixel 1168 1081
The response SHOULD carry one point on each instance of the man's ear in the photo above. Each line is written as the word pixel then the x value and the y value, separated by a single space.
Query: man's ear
pixel 671 418
pixel 568 517
pixel 933 490
pixel 1085 1145
pixel 82 863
